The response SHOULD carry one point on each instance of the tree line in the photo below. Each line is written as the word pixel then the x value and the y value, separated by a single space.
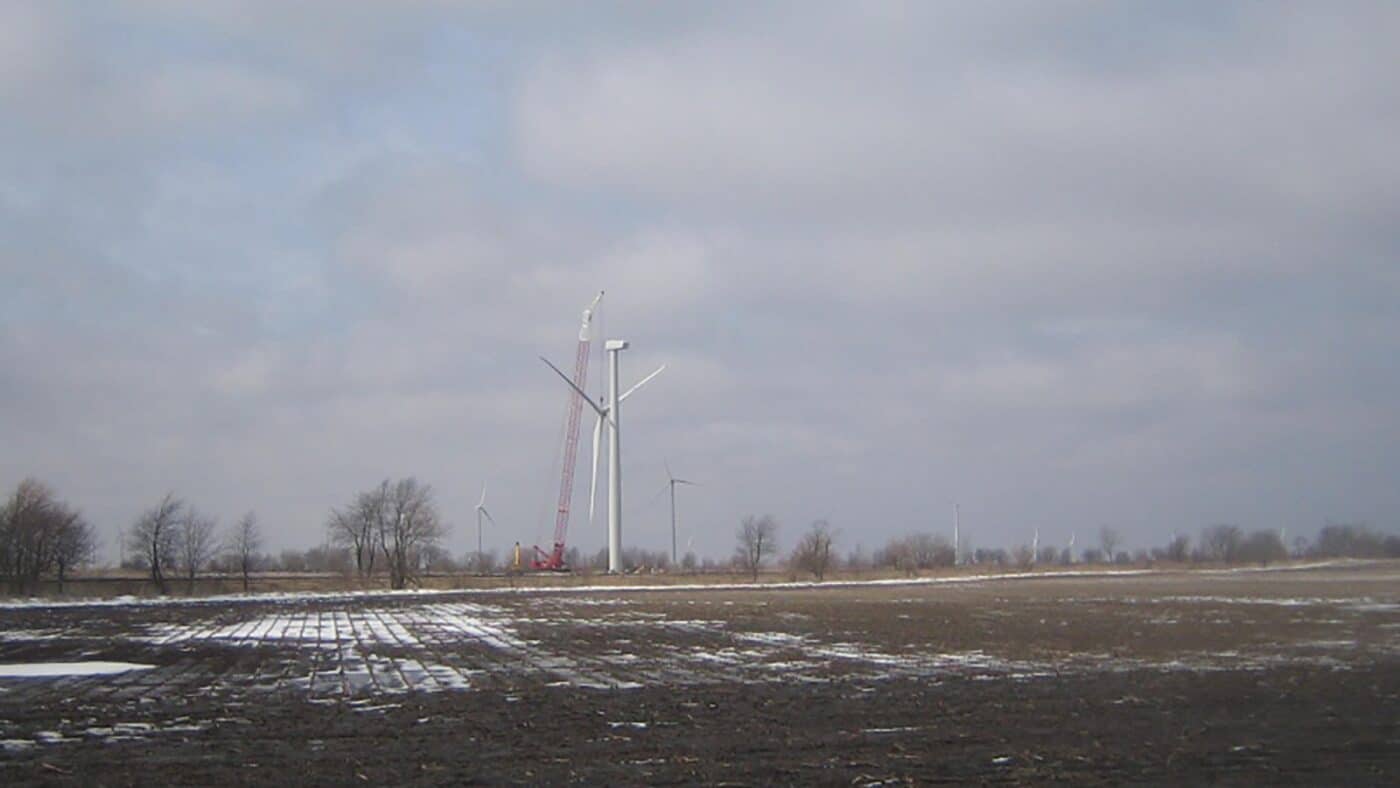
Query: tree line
pixel 756 547
pixel 394 529
pixel 41 536
pixel 173 540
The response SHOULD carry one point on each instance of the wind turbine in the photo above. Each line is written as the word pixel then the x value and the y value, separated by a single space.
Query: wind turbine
pixel 480 514
pixel 609 413
pixel 957 522
pixel 672 481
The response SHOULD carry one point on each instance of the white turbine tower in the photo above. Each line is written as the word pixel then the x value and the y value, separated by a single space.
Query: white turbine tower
pixel 671 482
pixel 609 413
pixel 481 514
pixel 957 522
pixel 1035 547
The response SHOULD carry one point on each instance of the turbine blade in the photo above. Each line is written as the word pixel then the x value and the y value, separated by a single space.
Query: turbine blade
pixel 593 482
pixel 489 518
pixel 686 481
pixel 660 492
pixel 571 385
pixel 667 463
pixel 482 502
pixel 639 383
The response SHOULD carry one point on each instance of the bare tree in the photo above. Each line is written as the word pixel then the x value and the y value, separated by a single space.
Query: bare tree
pixel 197 544
pixel 1179 548
pixel 40 534
pixel 328 558
pixel 1221 542
pixel 433 558
pixel 931 550
pixel 358 526
pixel 1354 540
pixel 1109 539
pixel 1023 555
pixel 898 554
pixel 292 560
pixel 857 559
pixel 758 538
pixel 155 536
pixel 487 562
pixel 243 543
pixel 411 525
pixel 1264 547
pixel 813 551
pixel 918 551
pixel 76 546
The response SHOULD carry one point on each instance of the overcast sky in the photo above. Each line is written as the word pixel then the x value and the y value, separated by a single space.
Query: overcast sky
pixel 1066 263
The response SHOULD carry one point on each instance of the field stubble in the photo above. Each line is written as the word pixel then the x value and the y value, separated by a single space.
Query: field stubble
pixel 1249 677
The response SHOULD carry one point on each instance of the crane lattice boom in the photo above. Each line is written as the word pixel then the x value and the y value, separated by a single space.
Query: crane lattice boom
pixel 554 559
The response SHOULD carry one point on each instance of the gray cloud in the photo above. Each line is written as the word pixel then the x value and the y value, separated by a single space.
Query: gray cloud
pixel 1065 264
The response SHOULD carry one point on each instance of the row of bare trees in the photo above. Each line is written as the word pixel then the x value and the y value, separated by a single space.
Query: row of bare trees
pixel 41 536
pixel 756 544
pixel 757 541
pixel 174 539
pixel 396 523
pixel 395 528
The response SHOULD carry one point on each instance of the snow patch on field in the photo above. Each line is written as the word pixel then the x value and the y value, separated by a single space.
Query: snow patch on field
pixel 389 650
pixel 793 654
pixel 52 669
pixel 30 634
pixel 368 646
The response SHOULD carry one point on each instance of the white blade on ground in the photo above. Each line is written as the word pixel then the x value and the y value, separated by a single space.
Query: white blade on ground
pixel 639 384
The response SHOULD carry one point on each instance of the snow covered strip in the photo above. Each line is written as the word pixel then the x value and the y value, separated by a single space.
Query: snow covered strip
pixel 46 669
pixel 296 596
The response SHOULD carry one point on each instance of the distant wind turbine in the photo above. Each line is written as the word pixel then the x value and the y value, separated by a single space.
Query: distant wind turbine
pixel 957 522
pixel 481 514
pixel 672 481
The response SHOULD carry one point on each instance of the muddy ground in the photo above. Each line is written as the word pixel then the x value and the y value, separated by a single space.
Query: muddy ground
pixel 1240 677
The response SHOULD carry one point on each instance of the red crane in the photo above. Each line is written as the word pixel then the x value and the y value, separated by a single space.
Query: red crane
pixel 553 560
